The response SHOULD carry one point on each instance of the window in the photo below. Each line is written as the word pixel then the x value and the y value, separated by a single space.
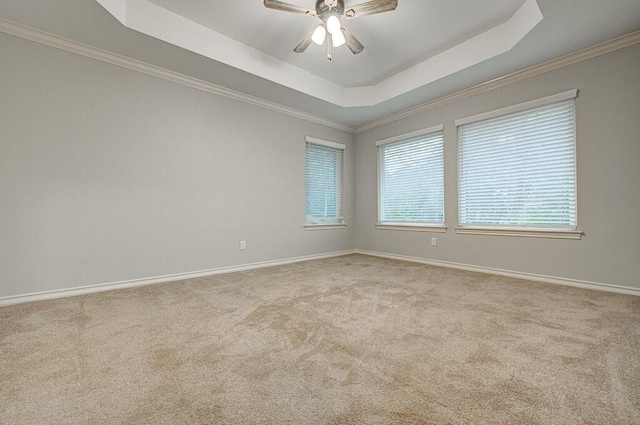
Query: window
pixel 517 170
pixel 324 165
pixel 411 181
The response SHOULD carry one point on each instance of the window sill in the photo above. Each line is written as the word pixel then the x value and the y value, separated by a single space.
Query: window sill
pixel 329 226
pixel 412 227
pixel 528 233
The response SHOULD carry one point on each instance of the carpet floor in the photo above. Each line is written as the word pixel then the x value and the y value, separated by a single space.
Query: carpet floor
pixel 346 340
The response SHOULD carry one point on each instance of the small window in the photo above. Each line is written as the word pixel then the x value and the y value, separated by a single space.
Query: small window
pixel 411 180
pixel 517 167
pixel 324 165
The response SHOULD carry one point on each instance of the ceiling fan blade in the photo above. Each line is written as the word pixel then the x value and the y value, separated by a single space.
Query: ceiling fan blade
pixel 370 7
pixel 351 41
pixel 288 7
pixel 306 42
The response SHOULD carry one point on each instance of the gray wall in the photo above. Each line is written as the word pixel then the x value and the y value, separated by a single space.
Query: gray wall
pixel 608 149
pixel 107 175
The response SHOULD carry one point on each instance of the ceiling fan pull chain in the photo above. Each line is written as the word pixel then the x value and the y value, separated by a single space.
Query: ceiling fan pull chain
pixel 329 43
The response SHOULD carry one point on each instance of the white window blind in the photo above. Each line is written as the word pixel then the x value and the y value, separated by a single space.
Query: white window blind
pixel 411 180
pixel 324 165
pixel 519 170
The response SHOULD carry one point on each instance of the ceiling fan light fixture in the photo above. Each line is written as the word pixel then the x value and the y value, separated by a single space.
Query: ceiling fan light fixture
pixel 319 35
pixel 338 39
pixel 333 25
pixel 330 13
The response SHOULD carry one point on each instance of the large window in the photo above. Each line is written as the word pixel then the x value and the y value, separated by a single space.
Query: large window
pixel 324 165
pixel 411 180
pixel 517 168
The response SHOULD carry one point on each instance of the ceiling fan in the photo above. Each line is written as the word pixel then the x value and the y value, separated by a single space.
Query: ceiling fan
pixel 330 11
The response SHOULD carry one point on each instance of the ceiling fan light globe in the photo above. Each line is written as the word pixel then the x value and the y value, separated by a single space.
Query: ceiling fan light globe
pixel 318 35
pixel 338 39
pixel 333 24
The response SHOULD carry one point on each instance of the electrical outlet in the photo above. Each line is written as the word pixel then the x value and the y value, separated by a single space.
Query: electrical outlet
pixel 243 245
pixel 433 241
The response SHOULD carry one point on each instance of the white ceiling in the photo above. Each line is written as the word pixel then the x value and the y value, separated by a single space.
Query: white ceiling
pixel 437 25
pixel 394 41
pixel 409 47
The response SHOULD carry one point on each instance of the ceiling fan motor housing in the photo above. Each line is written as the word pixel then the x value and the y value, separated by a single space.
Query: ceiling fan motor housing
pixel 323 10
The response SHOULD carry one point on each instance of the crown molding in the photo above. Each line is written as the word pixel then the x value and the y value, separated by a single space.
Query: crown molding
pixel 71 46
pixel 561 62
pixel 81 49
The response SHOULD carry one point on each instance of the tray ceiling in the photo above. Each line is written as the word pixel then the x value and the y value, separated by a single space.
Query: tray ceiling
pixel 567 27
pixel 419 43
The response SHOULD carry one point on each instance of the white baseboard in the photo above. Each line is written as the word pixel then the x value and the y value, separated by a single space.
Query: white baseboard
pixel 83 290
pixel 518 275
pixel 70 292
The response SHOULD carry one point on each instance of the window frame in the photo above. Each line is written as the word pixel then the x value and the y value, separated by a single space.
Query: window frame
pixel 561 232
pixel 328 223
pixel 437 227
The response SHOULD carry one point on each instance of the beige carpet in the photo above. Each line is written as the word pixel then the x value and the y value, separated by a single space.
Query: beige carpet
pixel 348 340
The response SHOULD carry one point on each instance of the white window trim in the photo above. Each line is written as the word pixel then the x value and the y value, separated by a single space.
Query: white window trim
pixel 521 232
pixel 409 227
pixel 555 233
pixel 326 226
pixel 325 143
pixel 570 94
pixel 411 135
pixel 412 227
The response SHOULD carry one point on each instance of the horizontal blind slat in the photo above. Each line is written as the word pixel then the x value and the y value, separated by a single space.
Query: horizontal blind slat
pixel 519 169
pixel 324 169
pixel 411 180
